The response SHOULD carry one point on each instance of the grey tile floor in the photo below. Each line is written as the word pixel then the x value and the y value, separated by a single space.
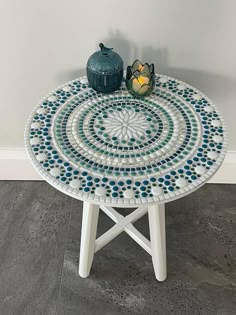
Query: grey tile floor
pixel 39 250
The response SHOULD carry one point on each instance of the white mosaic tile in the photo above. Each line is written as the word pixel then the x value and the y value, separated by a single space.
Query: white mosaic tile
pixel 117 149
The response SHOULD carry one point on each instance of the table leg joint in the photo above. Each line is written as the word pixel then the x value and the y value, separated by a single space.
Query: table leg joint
pixel 123 224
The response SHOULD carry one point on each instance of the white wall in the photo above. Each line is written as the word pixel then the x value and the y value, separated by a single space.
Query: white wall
pixel 45 43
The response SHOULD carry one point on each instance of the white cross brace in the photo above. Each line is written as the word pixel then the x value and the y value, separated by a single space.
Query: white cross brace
pixel 156 247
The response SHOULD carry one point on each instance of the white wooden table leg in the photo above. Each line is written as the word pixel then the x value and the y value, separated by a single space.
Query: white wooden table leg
pixel 88 237
pixel 156 216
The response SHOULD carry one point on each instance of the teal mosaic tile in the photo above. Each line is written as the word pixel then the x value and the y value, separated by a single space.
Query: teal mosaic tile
pixel 118 149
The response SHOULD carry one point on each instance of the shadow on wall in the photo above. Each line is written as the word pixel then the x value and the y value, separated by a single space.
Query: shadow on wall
pixel 127 49
pixel 213 84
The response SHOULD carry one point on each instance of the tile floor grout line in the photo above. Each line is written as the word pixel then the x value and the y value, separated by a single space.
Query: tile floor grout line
pixel 63 261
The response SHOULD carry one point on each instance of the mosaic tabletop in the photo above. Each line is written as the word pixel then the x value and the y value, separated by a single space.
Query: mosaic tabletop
pixel 120 150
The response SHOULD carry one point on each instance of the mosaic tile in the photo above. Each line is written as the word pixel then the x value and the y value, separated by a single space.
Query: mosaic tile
pixel 118 149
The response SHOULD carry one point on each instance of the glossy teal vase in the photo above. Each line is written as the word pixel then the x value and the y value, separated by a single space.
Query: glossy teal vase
pixel 105 70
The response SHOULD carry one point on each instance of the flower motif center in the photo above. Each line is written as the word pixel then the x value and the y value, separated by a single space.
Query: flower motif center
pixel 125 125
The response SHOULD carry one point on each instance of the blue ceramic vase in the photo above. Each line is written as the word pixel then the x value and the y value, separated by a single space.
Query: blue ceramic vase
pixel 105 70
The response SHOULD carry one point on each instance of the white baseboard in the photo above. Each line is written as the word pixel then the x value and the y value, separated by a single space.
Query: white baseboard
pixel 227 172
pixel 15 165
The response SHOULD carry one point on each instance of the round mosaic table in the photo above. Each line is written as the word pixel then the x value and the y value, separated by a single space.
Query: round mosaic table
pixel 118 150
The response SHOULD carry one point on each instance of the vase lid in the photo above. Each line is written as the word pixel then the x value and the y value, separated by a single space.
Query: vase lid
pixel 105 61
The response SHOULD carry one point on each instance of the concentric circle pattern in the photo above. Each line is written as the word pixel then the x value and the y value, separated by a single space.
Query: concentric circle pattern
pixel 118 149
